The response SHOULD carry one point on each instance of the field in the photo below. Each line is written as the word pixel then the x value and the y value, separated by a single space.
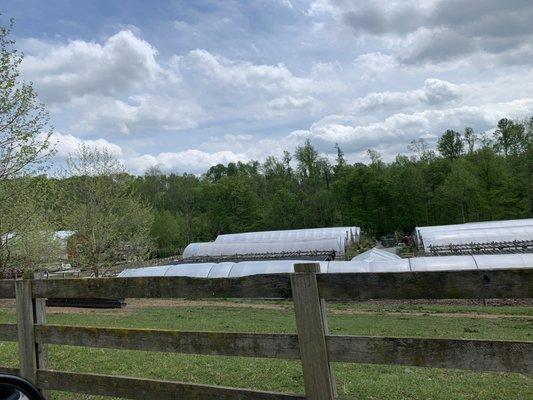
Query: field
pixel 510 322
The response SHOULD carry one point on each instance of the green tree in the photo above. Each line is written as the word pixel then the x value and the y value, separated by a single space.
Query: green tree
pixel 461 190
pixel 470 139
pixel 167 233
pixel 24 150
pixel 450 144
pixel 510 137
pixel 110 220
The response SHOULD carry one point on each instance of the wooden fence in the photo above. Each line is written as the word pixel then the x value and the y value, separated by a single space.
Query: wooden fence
pixel 312 344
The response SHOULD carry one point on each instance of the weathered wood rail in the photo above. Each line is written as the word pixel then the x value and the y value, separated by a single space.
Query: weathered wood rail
pixel 313 344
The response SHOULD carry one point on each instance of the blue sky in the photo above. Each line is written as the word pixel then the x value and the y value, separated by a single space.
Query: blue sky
pixel 183 85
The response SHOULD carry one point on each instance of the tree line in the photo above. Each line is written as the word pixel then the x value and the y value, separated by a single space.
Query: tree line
pixel 469 177
pixel 115 215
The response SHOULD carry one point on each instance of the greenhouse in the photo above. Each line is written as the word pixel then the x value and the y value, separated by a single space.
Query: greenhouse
pixel 375 254
pixel 423 231
pixel 217 249
pixel 501 235
pixel 234 270
pixel 349 233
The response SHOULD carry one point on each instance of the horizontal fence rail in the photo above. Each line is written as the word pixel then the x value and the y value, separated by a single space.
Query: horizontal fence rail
pixel 7 289
pixel 470 284
pixel 142 389
pixel 316 351
pixel 275 286
pixel 475 355
pixel 478 355
pixel 283 346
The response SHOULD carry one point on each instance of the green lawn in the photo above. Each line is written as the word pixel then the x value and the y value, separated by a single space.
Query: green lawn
pixel 354 381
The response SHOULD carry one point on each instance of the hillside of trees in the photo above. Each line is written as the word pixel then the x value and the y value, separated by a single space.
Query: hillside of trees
pixel 468 177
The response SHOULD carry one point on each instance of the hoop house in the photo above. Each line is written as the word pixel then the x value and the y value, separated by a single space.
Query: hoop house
pixel 246 268
pixel 349 233
pixel 214 249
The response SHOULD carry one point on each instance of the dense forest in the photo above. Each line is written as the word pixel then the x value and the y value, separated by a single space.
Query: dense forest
pixel 468 177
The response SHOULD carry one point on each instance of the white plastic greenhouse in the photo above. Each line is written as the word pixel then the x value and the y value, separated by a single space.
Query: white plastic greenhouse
pixel 475 232
pixel 376 254
pixel 476 235
pixel 216 249
pixel 349 233
pixel 246 268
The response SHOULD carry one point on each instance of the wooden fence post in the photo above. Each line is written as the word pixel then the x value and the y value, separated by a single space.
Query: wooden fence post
pixel 311 322
pixel 40 319
pixel 26 333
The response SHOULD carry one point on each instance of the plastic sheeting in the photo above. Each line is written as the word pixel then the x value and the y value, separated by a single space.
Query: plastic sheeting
pixel 471 225
pixel 427 231
pixel 476 235
pixel 376 254
pixel 214 249
pixel 349 233
pixel 246 268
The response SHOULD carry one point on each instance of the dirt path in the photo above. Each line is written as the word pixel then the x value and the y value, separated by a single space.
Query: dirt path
pixel 134 305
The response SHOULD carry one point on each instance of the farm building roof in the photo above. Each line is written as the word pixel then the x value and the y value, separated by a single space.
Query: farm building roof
pixel 476 233
pixel 349 233
pixel 233 270
pixel 375 254
pixel 214 249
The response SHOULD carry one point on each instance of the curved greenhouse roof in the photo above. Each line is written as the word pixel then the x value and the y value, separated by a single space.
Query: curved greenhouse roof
pixel 216 249
pixel 476 235
pixel 246 268
pixel 349 233
pixel 423 231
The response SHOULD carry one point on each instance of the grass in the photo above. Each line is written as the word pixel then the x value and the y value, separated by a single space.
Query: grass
pixel 353 380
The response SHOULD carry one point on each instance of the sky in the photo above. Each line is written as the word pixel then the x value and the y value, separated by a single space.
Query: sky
pixel 183 85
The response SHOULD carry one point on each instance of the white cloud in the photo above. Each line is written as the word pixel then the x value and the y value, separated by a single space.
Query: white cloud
pixel 116 87
pixel 441 31
pixel 121 86
pixel 192 160
pixel 234 88
pixel 244 74
pixel 124 63
pixel 66 144
pixel 376 62
pixel 435 92
pixel 290 102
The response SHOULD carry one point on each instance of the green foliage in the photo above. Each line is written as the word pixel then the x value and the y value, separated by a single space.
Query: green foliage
pixel 450 144
pixel 511 137
pixel 25 238
pixel 110 221
pixel 167 233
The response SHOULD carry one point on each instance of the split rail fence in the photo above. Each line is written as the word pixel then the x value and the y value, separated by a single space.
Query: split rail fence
pixel 312 345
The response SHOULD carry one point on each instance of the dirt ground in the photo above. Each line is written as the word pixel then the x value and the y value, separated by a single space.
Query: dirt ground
pixel 134 305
